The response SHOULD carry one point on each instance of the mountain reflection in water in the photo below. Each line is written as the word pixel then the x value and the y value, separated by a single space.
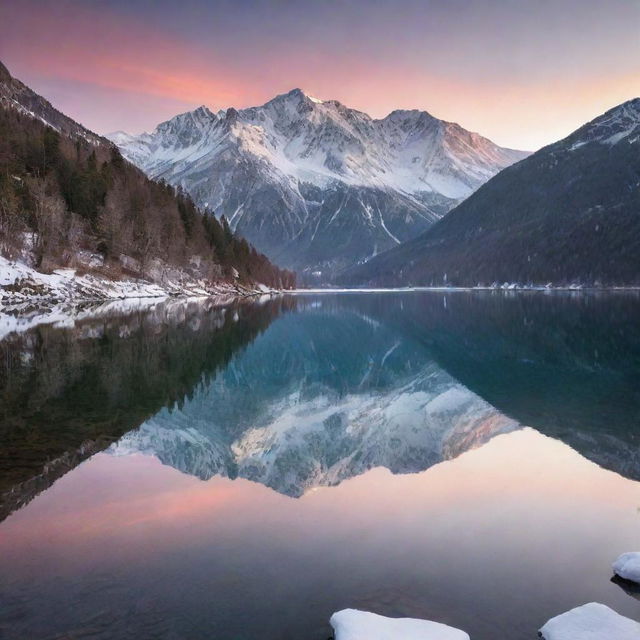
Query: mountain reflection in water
pixel 363 393
pixel 336 385
pixel 70 392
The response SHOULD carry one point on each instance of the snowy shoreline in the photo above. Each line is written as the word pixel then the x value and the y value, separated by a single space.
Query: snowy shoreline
pixel 21 283
pixel 29 298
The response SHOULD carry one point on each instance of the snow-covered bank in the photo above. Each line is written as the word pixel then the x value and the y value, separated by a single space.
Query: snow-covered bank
pixel 593 621
pixel 21 283
pixel 351 624
pixel 29 298
pixel 627 566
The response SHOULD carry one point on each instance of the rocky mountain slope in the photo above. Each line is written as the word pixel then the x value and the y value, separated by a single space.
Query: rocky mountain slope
pixel 315 184
pixel 568 214
pixel 16 95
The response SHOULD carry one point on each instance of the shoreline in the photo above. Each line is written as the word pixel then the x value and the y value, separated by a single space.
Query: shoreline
pixel 24 312
pixel 21 283
pixel 26 316
pixel 20 318
pixel 501 289
pixel 29 298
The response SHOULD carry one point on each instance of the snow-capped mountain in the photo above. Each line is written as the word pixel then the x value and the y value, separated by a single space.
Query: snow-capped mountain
pixel 315 184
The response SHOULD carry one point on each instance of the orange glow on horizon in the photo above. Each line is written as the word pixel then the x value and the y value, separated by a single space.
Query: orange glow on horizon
pixel 132 74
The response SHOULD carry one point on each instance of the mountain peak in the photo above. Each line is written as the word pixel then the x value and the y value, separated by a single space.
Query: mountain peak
pixel 119 137
pixel 630 105
pixel 316 100
pixel 416 113
pixel 296 94
pixel 412 117
pixel 613 126
pixel 296 159
pixel 231 114
pixel 16 95
pixel 622 114
pixel 205 111
pixel 5 76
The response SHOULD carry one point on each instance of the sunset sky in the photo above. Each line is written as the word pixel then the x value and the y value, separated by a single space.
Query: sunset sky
pixel 523 73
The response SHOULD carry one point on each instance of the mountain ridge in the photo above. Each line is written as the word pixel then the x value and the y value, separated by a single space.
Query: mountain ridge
pixel 17 95
pixel 566 215
pixel 316 184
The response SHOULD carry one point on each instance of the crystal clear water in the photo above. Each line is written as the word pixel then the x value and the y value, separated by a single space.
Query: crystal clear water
pixel 196 472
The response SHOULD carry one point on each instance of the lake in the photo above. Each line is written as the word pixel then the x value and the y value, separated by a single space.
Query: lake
pixel 189 471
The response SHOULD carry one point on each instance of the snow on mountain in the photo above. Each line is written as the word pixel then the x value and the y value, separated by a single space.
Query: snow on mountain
pixel 314 183
pixel 617 124
pixel 567 215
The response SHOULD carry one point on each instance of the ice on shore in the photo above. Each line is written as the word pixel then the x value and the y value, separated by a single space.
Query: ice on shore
pixel 593 621
pixel 627 566
pixel 351 624
pixel 22 283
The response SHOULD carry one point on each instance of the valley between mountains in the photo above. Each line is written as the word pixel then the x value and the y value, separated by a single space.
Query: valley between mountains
pixel 214 201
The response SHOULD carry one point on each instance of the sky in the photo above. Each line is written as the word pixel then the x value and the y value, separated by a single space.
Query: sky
pixel 524 73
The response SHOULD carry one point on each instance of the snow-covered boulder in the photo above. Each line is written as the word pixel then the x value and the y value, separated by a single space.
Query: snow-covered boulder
pixel 627 566
pixel 351 624
pixel 593 621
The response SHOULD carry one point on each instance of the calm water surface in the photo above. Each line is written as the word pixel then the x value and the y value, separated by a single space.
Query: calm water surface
pixel 194 472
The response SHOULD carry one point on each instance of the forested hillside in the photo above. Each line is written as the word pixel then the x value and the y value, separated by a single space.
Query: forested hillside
pixel 68 198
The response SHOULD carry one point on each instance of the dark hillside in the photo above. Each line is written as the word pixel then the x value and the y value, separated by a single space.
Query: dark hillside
pixel 569 213
pixel 68 198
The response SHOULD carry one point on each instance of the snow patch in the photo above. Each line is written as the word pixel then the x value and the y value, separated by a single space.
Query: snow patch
pixel 29 298
pixel 615 125
pixel 627 566
pixel 351 624
pixel 593 621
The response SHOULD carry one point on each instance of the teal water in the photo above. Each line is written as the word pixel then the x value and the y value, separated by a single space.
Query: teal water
pixel 191 471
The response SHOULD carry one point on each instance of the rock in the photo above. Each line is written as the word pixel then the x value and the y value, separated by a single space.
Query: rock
pixel 627 566
pixel 593 621
pixel 630 588
pixel 351 624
